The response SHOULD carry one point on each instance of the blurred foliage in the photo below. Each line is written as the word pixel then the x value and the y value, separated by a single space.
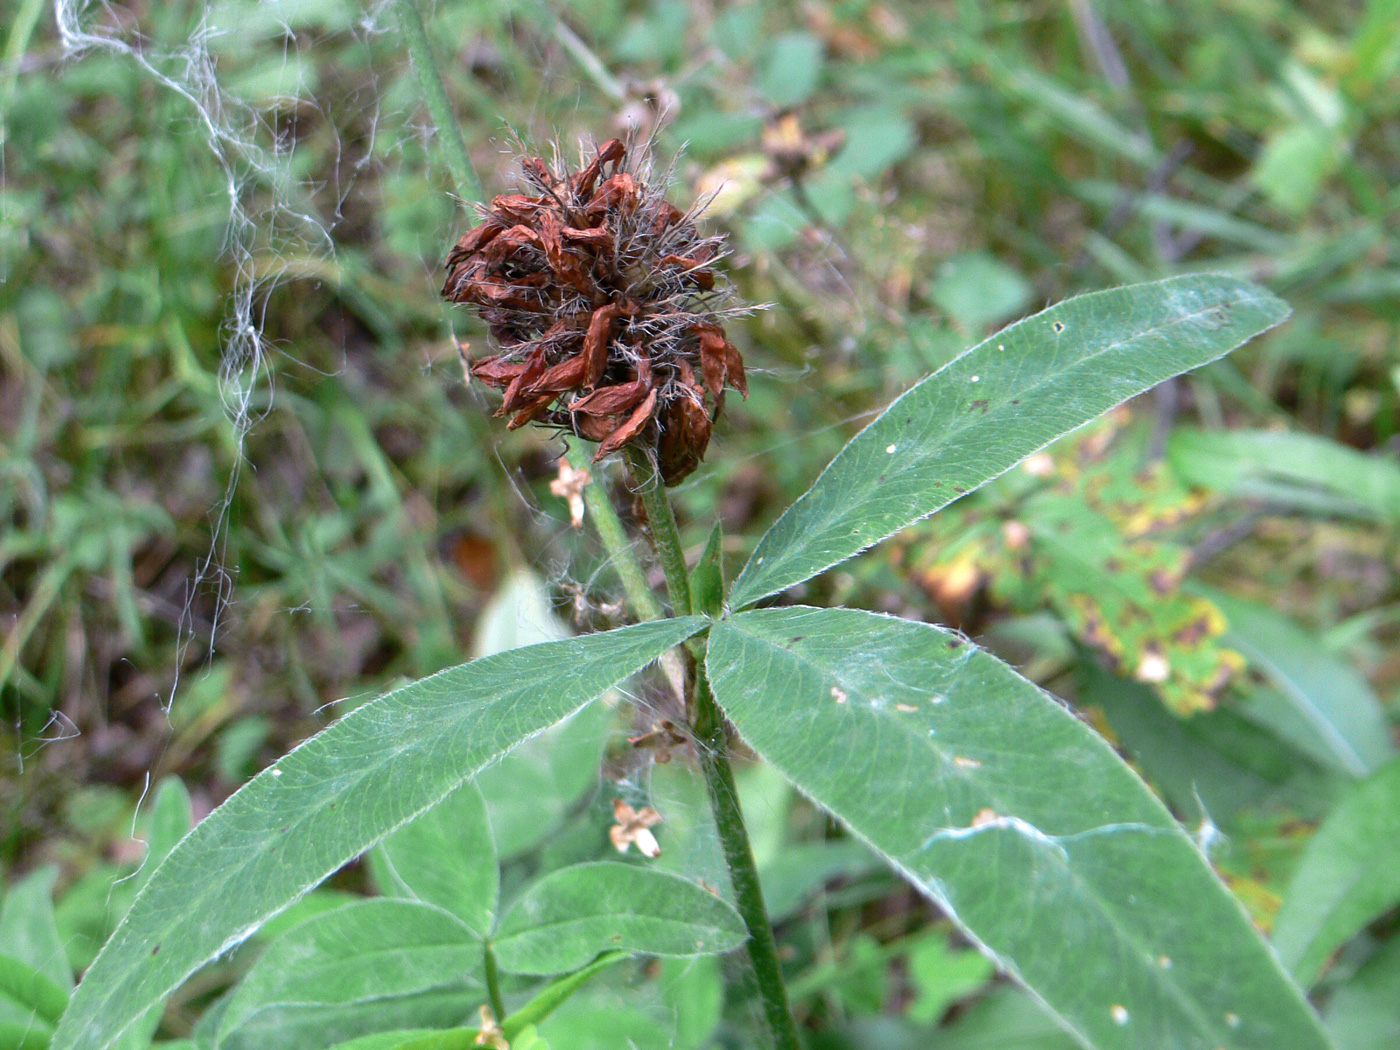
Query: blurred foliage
pixel 201 551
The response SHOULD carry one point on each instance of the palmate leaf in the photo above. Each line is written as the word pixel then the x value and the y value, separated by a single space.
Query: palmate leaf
pixel 983 412
pixel 1016 818
pixel 331 799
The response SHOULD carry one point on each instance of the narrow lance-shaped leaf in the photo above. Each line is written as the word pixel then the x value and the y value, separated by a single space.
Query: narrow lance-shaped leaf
pixel 988 409
pixel 1017 819
pixel 331 799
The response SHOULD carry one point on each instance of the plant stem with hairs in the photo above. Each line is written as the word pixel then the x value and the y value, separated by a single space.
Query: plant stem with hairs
pixel 712 746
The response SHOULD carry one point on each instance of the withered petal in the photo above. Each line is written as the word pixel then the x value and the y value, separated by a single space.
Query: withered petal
pixel 595 343
pixel 472 242
pixel 609 152
pixel 694 270
pixel 539 172
pixel 594 428
pixel 496 371
pixel 619 191
pixel 734 369
pixel 515 393
pixel 530 411
pixel 566 375
pixel 612 400
pixel 667 214
pixel 685 434
pixel 599 236
pixel 639 418
pixel 517 207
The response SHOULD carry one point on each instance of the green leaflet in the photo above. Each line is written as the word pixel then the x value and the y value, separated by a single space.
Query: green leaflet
pixel 445 857
pixel 26 993
pixel 27 929
pixel 983 412
pixel 571 915
pixel 332 798
pixel 372 951
pixel 1014 816
pixel 1296 470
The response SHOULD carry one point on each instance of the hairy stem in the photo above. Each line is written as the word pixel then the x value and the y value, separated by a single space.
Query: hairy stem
pixel 712 745
pixel 664 535
pixel 614 537
pixel 459 161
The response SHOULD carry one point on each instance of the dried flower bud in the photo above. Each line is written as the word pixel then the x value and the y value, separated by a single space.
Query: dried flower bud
pixel 602 298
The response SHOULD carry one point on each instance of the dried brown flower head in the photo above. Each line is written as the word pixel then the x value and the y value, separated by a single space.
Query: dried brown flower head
pixel 601 297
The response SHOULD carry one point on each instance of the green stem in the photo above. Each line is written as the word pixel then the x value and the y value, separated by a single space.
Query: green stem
pixel 425 67
pixel 614 538
pixel 713 747
pixel 493 984
pixel 662 520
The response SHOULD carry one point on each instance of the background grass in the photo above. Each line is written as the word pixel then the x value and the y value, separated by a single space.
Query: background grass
pixel 204 547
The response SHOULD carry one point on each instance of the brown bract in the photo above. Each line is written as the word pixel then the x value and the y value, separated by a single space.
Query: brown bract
pixel 602 299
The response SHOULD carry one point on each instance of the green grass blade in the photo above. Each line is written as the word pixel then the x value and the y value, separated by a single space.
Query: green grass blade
pixel 1323 704
pixel 1017 819
pixel 991 407
pixel 1349 875
pixel 331 799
